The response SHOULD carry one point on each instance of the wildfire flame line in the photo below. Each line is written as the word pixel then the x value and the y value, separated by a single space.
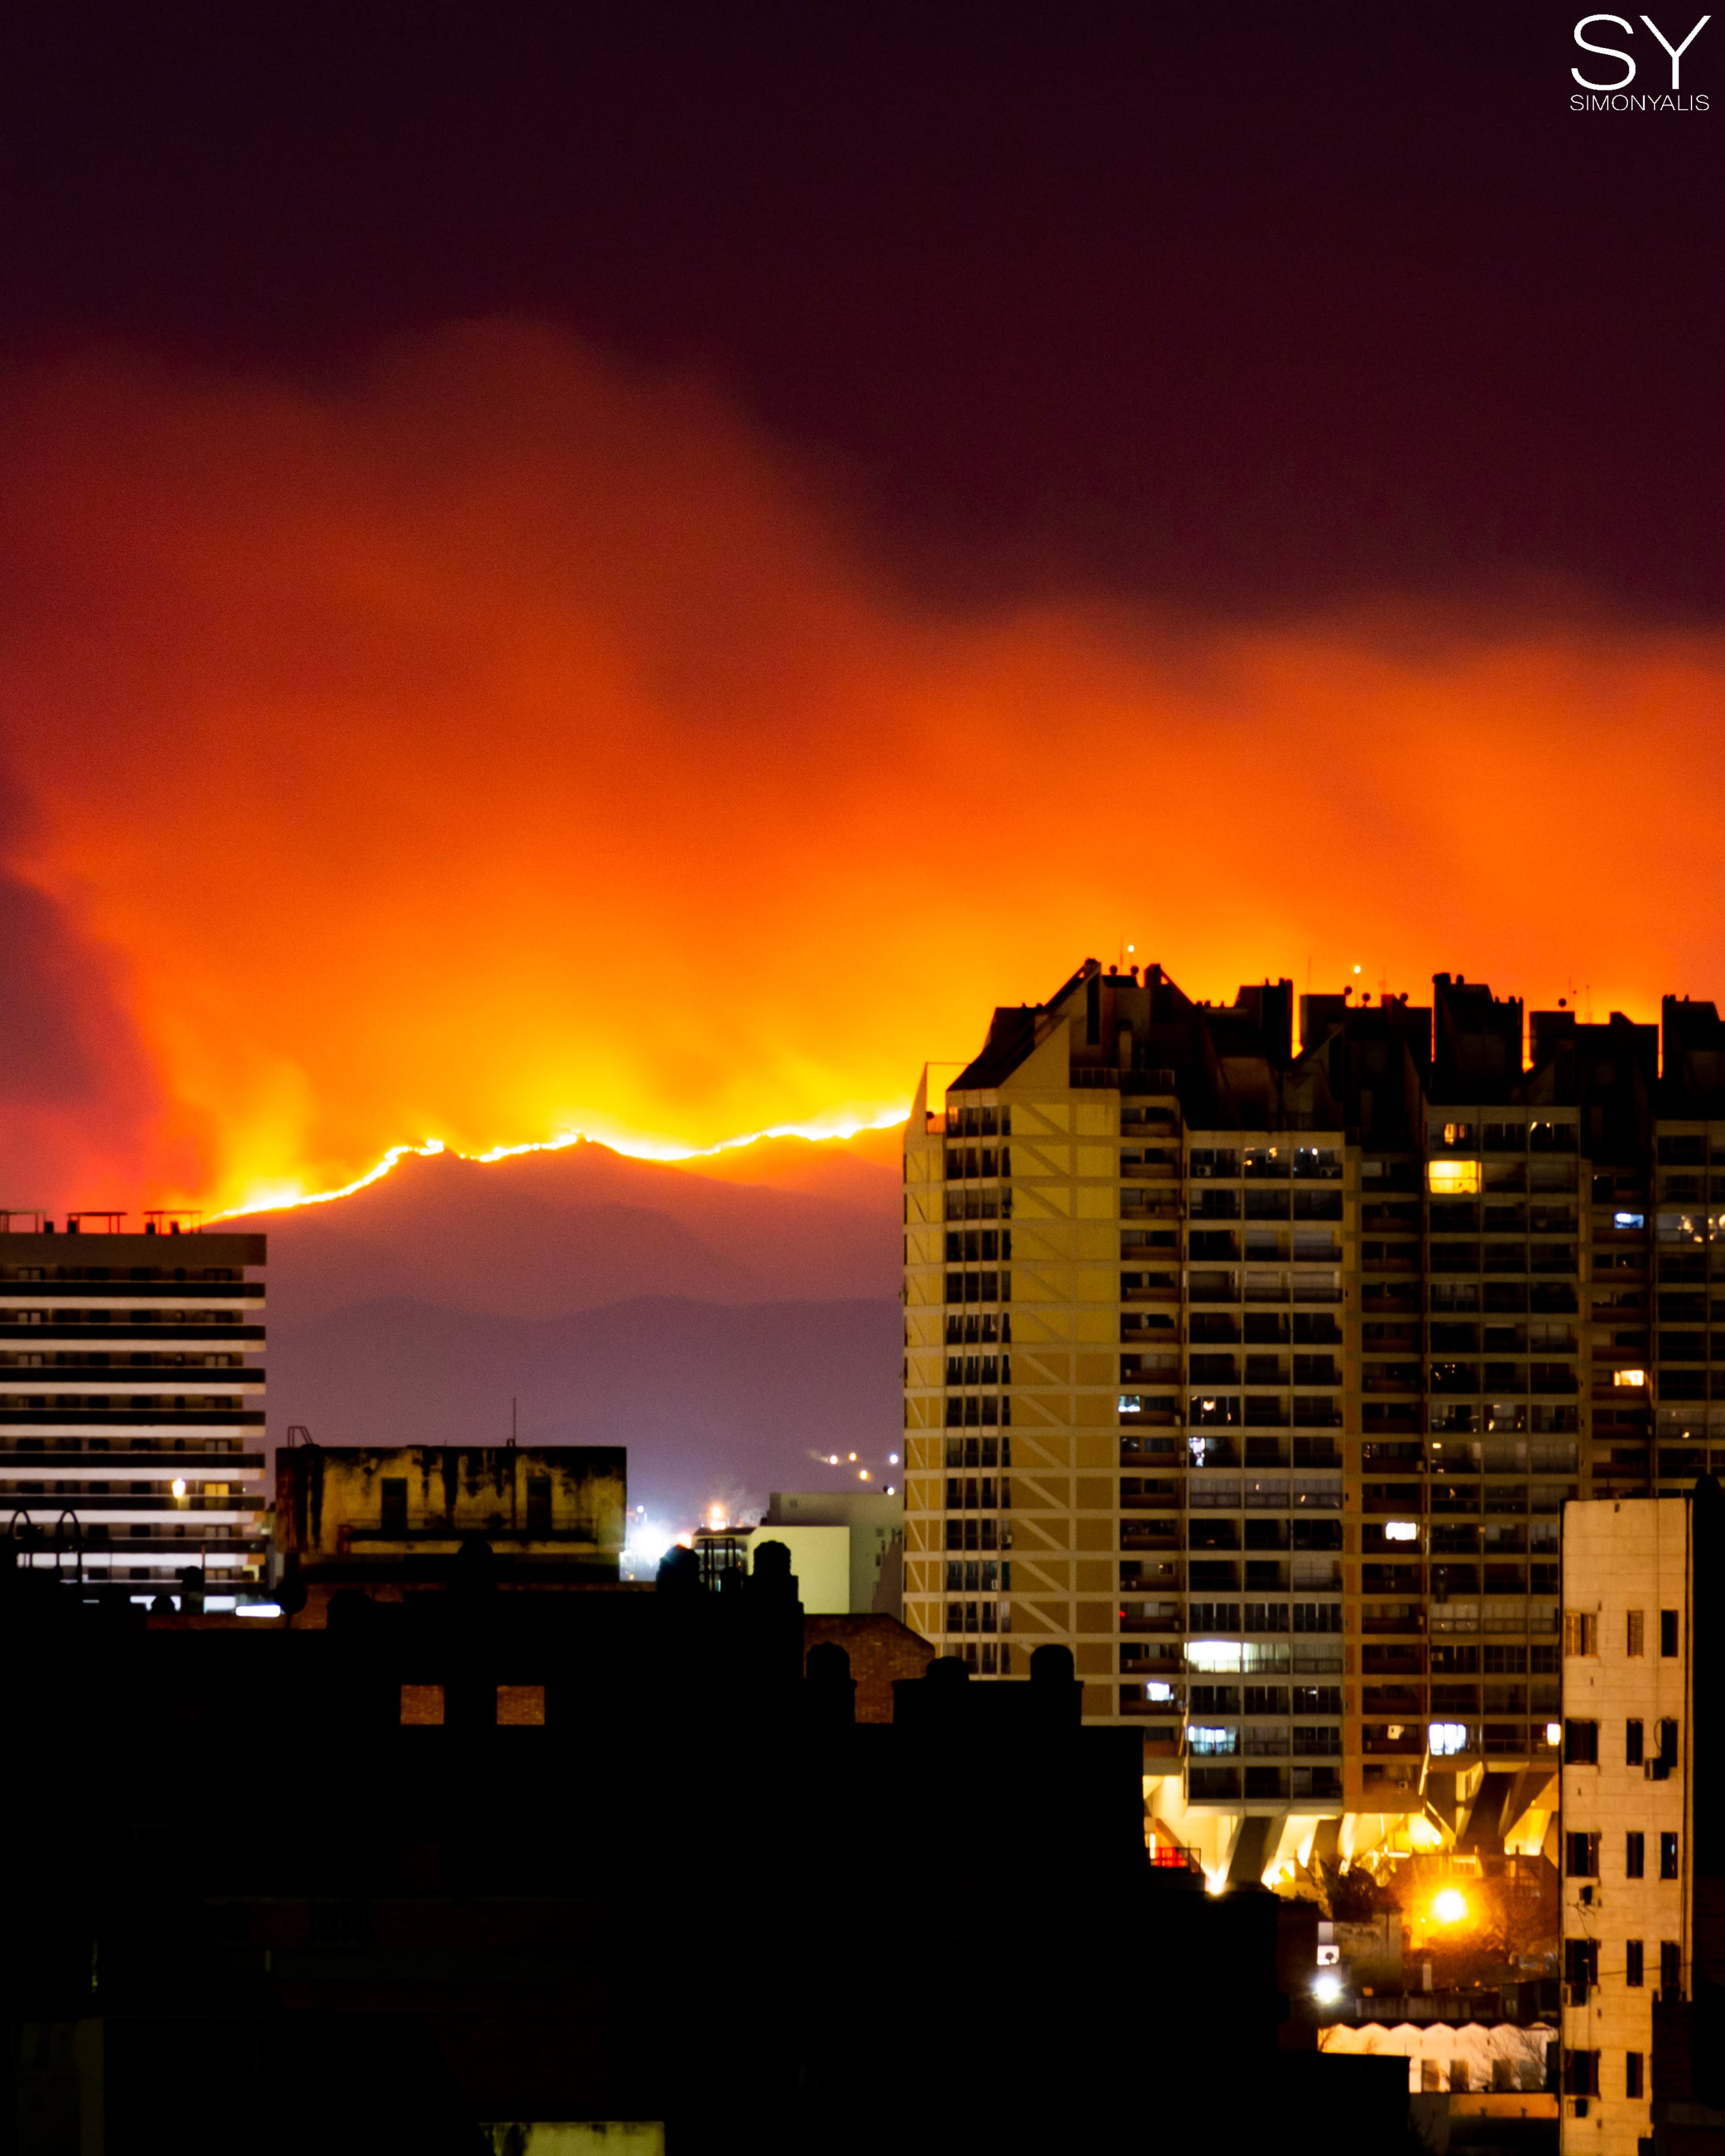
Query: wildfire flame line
pixel 632 1148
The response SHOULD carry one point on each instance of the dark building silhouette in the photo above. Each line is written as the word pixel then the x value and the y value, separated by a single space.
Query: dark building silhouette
pixel 539 1857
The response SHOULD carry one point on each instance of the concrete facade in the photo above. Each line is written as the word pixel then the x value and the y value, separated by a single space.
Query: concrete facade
pixel 1627 1810
pixel 391 1518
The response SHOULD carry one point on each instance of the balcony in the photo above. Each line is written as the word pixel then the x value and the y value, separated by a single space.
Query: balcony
pixel 1393 1740
pixel 1137 1535
pixel 1149 1497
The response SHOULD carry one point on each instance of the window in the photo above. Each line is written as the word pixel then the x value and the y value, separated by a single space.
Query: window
pixel 394 1494
pixel 1668 1633
pixel 539 1504
pixel 1632 1963
pixel 1667 1856
pixel 1581 1743
pixel 1581 1856
pixel 1581 2073
pixel 422 1703
pixel 1634 1857
pixel 1632 1744
pixel 1632 2080
pixel 1636 1642
pixel 1581 1632
pixel 521 1706
pixel 1667 1755
pixel 1581 1968
pixel 1671 1969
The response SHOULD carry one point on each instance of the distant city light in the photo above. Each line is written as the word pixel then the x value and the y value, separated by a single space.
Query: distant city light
pixel 862 1474
pixel 259 1609
pixel 853 1456
pixel 893 1457
pixel 716 1516
pixel 891 1491
pixel 833 1459
pixel 646 1544
pixel 1449 1907
pixel 1327 1989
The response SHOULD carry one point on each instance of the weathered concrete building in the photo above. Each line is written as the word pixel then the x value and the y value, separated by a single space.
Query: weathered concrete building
pixel 394 1519
pixel 1643 1820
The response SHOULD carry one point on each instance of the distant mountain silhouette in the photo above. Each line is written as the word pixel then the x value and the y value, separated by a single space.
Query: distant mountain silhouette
pixel 713 1401
pixel 725 1319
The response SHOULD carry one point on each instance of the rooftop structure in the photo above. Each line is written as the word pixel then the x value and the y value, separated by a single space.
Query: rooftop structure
pixel 394 1519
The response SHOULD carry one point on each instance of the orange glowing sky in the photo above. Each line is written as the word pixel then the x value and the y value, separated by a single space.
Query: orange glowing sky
pixel 505 744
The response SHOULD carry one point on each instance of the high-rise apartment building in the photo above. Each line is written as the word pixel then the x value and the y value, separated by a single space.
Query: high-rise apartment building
pixel 1259 1375
pixel 132 1399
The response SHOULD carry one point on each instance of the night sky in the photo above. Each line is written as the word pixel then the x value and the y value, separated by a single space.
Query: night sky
pixel 826 514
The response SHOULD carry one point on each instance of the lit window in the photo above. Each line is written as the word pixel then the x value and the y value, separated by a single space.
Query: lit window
pixel 1401 1531
pixel 1158 1692
pixel 521 1706
pixel 1553 1734
pixel 422 1703
pixel 1629 1220
pixel 1453 1179
pixel 1628 1377
pixel 1447 1738
pixel 1212 1741
pixel 1214 1655
pixel 1131 1404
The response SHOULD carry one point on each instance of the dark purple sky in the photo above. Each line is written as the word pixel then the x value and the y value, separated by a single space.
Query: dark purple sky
pixel 1246 304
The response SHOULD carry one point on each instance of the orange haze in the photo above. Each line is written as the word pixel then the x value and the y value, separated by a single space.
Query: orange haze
pixel 502 744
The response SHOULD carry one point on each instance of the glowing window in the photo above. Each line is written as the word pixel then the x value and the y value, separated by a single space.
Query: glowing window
pixel 1212 1741
pixel 1446 1739
pixel 422 1703
pixel 1218 1655
pixel 1453 1179
pixel 1628 1377
pixel 521 1706
pixel 1401 1531
pixel 1629 1220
